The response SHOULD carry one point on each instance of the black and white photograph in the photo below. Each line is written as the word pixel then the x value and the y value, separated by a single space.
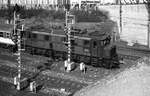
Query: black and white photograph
pixel 74 47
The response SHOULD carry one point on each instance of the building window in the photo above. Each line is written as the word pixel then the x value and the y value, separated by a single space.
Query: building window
pixel 94 44
pixel 7 35
pixel 46 37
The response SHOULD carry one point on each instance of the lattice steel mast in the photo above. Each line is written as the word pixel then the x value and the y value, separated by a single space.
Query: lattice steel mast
pixel 69 19
pixel 19 56
pixel 69 36
pixel 67 8
pixel 17 35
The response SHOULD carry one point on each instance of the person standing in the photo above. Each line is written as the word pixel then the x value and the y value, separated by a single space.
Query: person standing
pixel 82 67
pixel 66 64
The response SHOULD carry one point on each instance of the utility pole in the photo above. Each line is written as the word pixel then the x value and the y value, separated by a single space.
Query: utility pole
pixel 9 12
pixel 148 35
pixel 120 11
pixel 14 22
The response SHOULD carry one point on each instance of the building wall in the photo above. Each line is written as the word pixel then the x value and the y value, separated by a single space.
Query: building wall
pixel 71 1
pixel 134 21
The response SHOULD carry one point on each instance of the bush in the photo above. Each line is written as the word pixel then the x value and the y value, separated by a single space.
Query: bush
pixel 81 15
pixel 90 16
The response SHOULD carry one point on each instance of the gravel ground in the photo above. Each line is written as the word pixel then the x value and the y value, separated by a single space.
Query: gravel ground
pixel 131 82
pixel 8 89
pixel 75 75
pixel 30 62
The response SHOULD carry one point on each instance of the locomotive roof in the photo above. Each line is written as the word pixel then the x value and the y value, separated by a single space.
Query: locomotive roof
pixel 88 30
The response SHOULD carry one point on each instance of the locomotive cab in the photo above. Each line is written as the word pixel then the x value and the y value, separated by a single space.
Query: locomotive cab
pixel 110 57
pixel 103 52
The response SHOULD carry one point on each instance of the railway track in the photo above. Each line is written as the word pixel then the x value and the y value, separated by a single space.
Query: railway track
pixel 132 53
pixel 128 57
pixel 45 81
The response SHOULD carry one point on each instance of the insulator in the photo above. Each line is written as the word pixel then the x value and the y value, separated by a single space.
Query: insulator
pixel 18 26
pixel 14 32
pixel 16 8
pixel 19 61
pixel 19 75
pixel 18 58
pixel 17 21
pixel 67 7
pixel 14 39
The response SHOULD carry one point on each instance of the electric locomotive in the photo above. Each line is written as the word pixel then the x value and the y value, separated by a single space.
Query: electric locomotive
pixel 91 46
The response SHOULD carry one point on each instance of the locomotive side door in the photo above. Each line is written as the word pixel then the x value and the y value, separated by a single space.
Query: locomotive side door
pixel 100 49
pixel 51 51
pixel 94 48
pixel 94 52
pixel 97 48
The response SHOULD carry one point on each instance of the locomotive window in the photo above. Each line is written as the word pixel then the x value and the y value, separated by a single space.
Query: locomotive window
pixel 102 43
pixel 29 35
pixel 94 44
pixel 63 39
pixel 46 37
pixel 50 45
pixel 86 42
pixel 105 42
pixel 86 50
pixel 73 42
pixel 7 35
pixel 34 35
pixel 1 34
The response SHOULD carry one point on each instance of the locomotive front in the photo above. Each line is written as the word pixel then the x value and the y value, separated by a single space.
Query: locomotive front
pixel 103 39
